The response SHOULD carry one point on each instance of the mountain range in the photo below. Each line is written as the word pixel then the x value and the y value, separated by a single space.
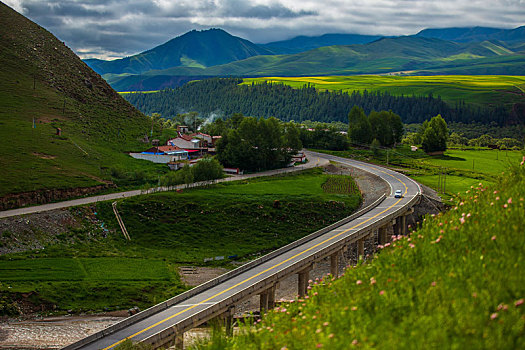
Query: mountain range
pixel 214 52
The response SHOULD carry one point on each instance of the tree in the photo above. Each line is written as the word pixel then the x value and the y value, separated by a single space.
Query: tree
pixel 359 128
pixel 435 135
pixel 207 169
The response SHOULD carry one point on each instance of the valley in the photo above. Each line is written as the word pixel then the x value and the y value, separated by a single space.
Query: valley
pixel 331 190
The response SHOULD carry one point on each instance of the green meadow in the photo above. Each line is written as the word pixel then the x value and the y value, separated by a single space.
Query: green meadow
pixel 237 220
pixel 483 90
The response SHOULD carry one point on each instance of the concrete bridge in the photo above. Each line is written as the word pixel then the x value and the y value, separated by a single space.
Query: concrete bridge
pixel 164 324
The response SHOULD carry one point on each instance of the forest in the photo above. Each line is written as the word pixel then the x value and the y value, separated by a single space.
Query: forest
pixel 224 97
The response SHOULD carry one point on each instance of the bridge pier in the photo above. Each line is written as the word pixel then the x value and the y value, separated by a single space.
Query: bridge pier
pixel 267 299
pixel 303 278
pixel 381 235
pixel 178 343
pixel 360 248
pixel 334 264
pixel 228 320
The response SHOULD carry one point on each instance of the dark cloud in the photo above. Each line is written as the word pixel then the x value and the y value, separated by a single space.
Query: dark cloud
pixel 116 28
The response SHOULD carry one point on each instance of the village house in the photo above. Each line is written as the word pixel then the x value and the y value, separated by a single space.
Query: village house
pixel 163 155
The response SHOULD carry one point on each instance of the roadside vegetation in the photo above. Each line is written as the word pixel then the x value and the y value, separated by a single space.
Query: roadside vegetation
pixel 456 281
pixel 95 269
pixel 463 168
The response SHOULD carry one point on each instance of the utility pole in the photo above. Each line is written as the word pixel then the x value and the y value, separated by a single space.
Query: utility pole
pixel 445 182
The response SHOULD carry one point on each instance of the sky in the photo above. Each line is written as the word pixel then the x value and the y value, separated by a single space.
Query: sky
pixel 109 29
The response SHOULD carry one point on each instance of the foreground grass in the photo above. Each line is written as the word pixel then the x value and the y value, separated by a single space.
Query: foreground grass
pixel 456 282
pixel 464 168
pixel 475 89
pixel 237 220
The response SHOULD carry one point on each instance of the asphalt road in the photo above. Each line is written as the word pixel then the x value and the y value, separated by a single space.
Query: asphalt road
pixel 313 162
pixel 249 282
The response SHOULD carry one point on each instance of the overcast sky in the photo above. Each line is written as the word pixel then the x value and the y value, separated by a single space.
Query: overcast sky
pixel 117 28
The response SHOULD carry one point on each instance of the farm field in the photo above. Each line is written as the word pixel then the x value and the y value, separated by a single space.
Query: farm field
pixel 481 90
pixel 236 220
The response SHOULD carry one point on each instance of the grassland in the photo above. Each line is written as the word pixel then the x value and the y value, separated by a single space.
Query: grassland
pixel 238 219
pixel 464 168
pixel 480 90
pixel 457 282
pixel 45 86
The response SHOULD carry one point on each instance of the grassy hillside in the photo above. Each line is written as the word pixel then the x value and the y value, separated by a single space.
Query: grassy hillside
pixel 457 282
pixel 43 80
pixel 479 90
pixel 241 219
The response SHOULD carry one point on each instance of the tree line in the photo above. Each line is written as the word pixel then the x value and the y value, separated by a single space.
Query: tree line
pixel 224 96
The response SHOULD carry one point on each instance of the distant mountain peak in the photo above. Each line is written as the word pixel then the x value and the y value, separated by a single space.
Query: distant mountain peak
pixel 196 48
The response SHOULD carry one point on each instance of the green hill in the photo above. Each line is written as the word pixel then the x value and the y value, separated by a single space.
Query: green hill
pixel 401 55
pixel 474 34
pixel 199 49
pixel 45 86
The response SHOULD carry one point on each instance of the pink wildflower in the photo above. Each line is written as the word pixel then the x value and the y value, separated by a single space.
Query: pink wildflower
pixel 474 295
pixel 358 282
pixel 509 200
pixel 505 205
pixel 462 220
pixel 494 316
pixel 318 330
pixel 433 284
pixel 319 345
pixel 497 198
pixel 411 245
pixel 493 238
pixel 518 302
pixel 495 191
pixel 355 342
pixel 372 280
pixel 354 308
pixel 326 324
pixel 382 292
pixel 331 335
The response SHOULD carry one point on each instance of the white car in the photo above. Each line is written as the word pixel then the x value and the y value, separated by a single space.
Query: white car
pixel 398 194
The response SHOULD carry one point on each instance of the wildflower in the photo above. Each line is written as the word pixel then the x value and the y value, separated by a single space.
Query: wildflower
pixel 283 310
pixel 462 220
pixel 493 238
pixel 315 293
pixel 411 245
pixel 461 203
pixel 491 203
pixel 358 282
pixel 468 215
pixel 318 330
pixel 474 295
pixel 433 284
pixel 494 316
pixel 354 308
pixel 497 198
pixel 518 302
pixel 331 335
pixel 314 317
pixel 440 224
pixel 372 280
pixel 319 345
pixel 326 324
pixel 382 292
pixel 284 348
pixel 355 342
pixel 505 205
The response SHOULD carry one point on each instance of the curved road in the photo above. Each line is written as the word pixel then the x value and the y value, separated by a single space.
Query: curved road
pixel 314 162
pixel 217 296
